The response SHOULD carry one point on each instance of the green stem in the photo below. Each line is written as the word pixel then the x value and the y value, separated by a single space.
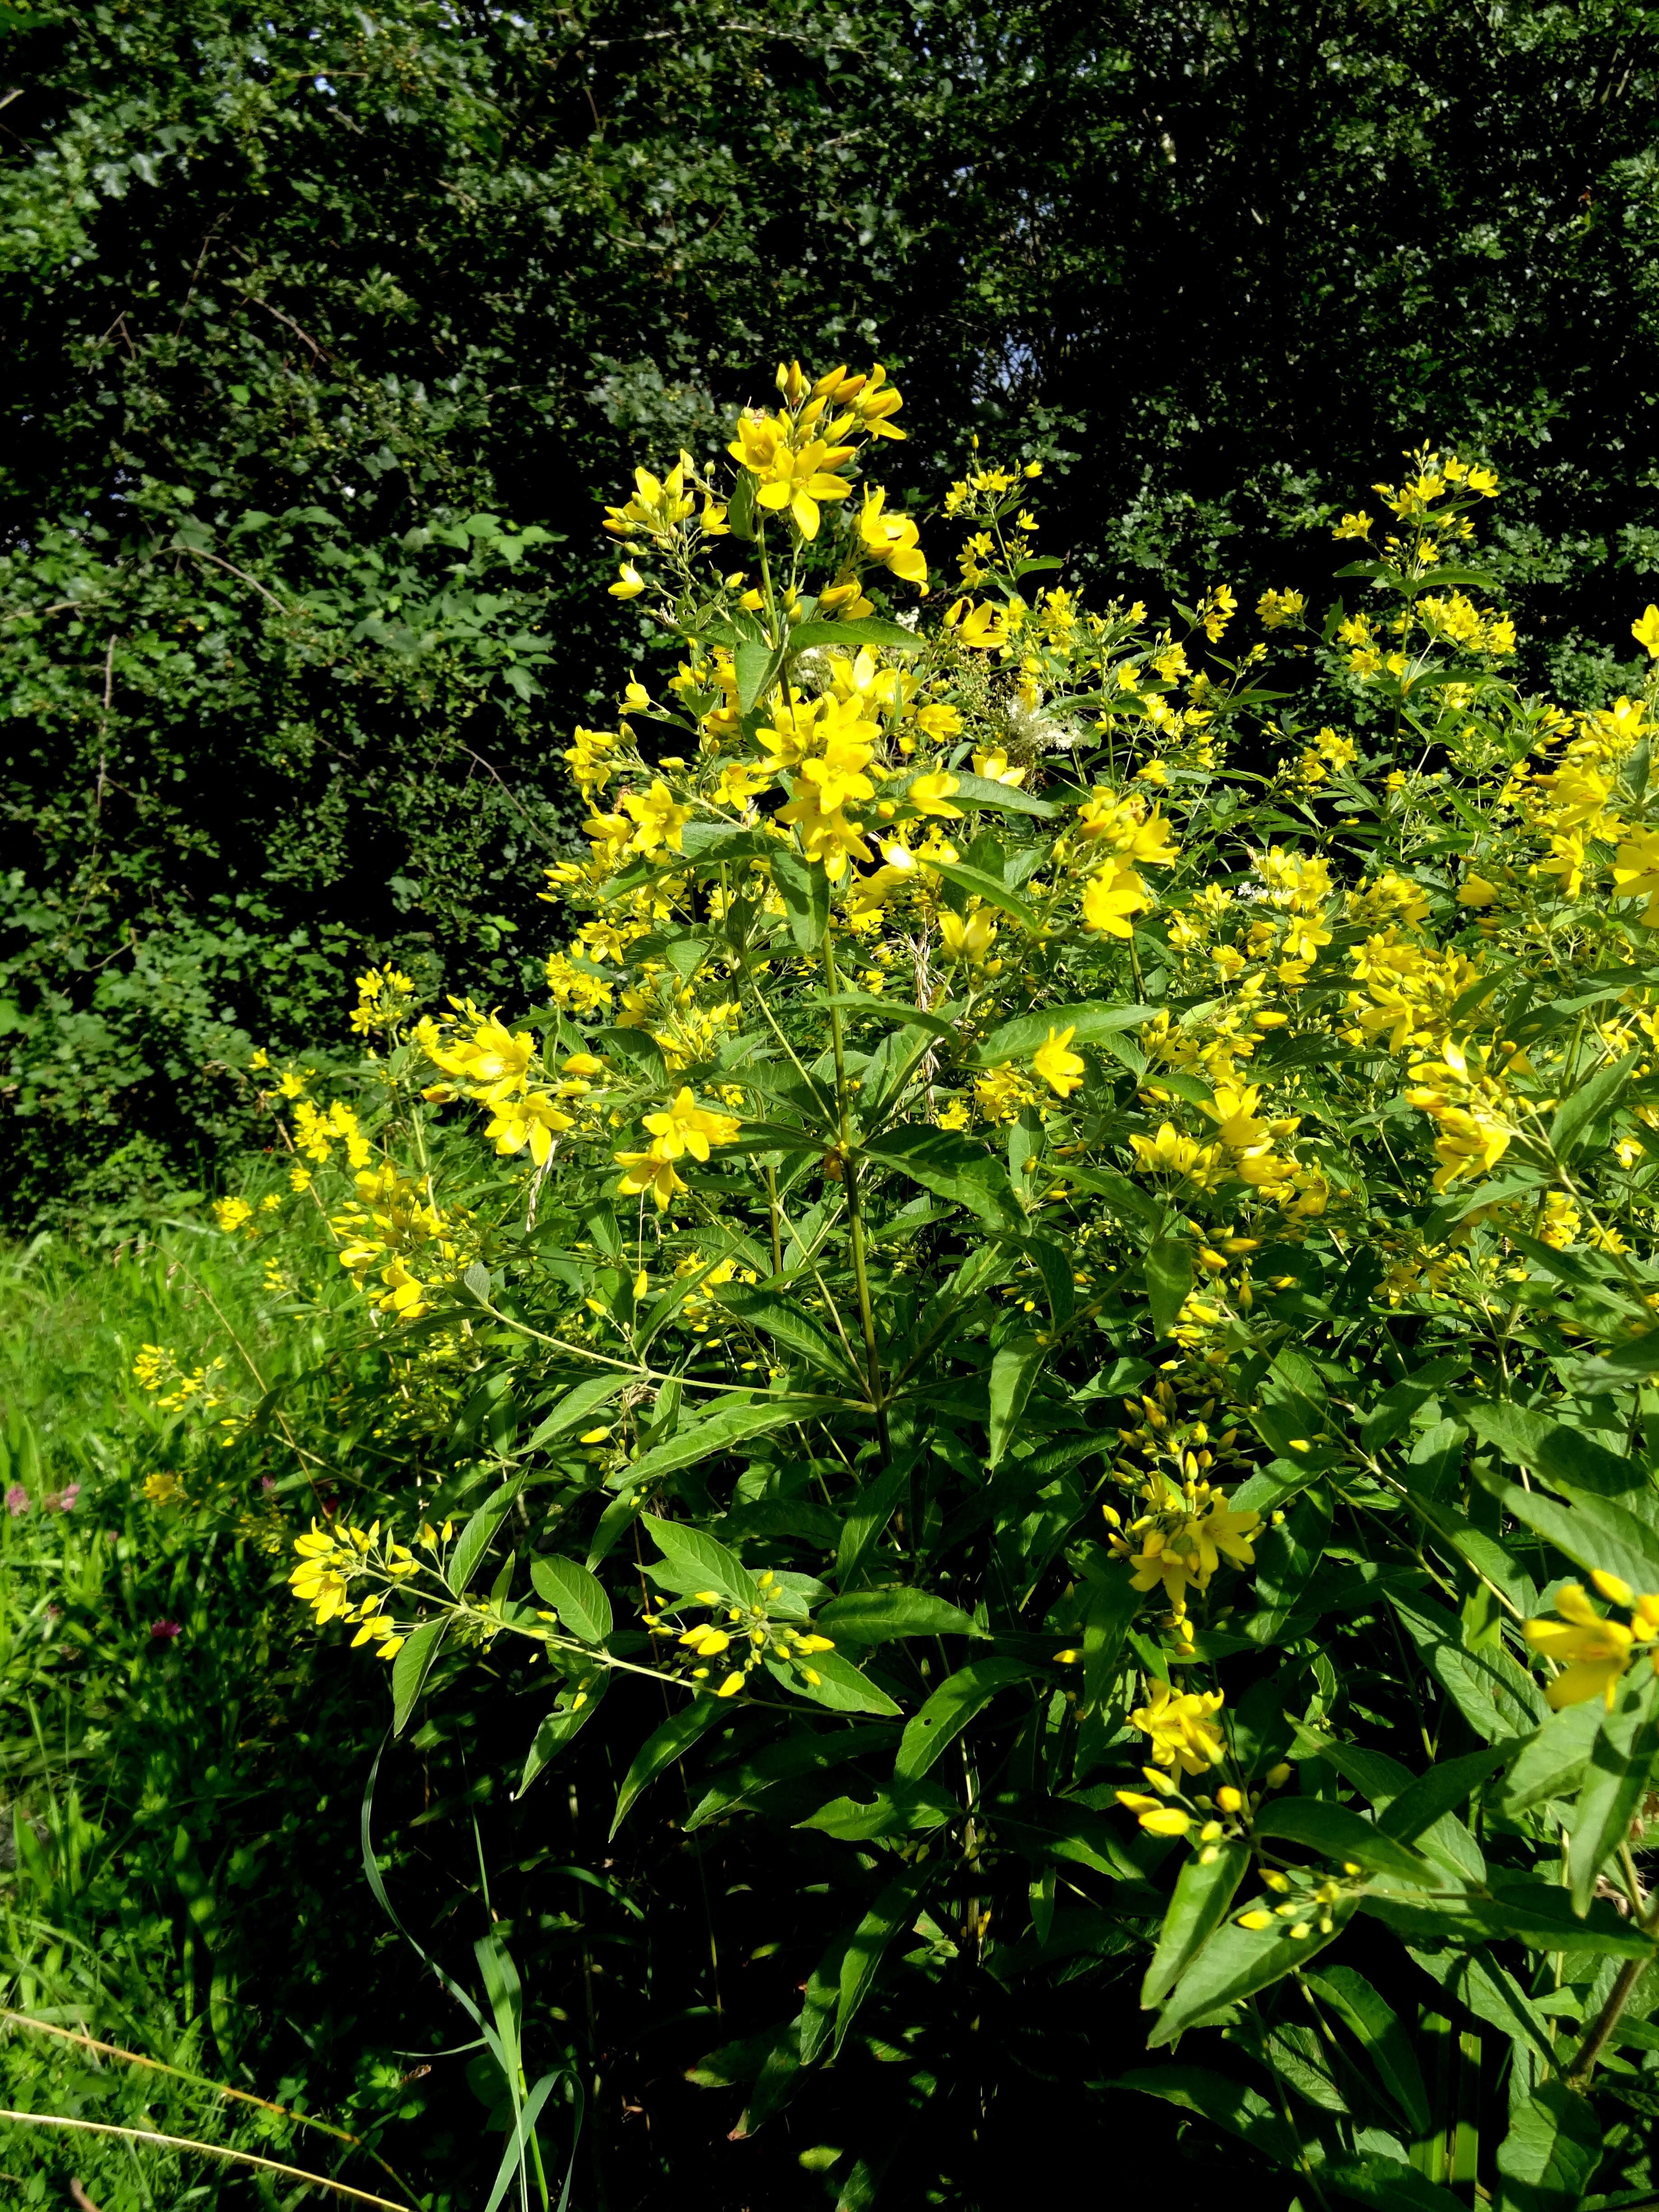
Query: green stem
pixel 854 1209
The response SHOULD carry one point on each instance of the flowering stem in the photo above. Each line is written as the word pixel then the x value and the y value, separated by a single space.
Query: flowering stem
pixel 1618 1997
pixel 854 1213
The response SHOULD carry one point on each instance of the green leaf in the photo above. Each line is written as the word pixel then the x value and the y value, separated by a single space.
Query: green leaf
pixel 1388 2045
pixel 1389 2184
pixel 1560 1453
pixel 787 1322
pixel 950 1708
pixel 980 791
pixel 804 887
pixel 1538 1914
pixel 660 1749
pixel 757 666
pixel 893 1913
pixel 1442 1789
pixel 699 1563
pixel 951 1167
pixel 869 1516
pixel 566 1719
pixel 728 1424
pixel 840 1686
pixel 1237 1962
pixel 1592 1532
pixel 476 1537
pixel 1336 1833
pixel 1493 1694
pixel 410 1667
pixel 992 889
pixel 862 629
pixel 1202 1895
pixel 1552 1763
pixel 893 1010
pixel 1090 1023
pixel 1014 1369
pixel 575 1408
pixel 1111 1602
pixel 1548 2159
pixel 879 1616
pixel 1616 1780
pixel 476 1280
pixel 799 1754
pixel 1242 2111
pixel 1169 1279
pixel 1578 1112
pixel 577 1596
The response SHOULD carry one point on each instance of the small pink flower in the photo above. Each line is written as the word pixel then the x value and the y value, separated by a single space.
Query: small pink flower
pixel 17 1500
pixel 66 1503
pixel 268 1485
pixel 166 1631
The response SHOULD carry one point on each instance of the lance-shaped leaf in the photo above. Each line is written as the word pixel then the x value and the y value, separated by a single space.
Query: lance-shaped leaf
pixel 1237 1962
pixel 1387 2043
pixel 411 1668
pixel 1169 1279
pixel 1592 1532
pixel 951 1167
pixel 1616 1780
pixel 879 1616
pixel 732 1422
pixel 805 890
pixel 839 1685
pixel 1014 1369
pixel 1091 1024
pixel 891 1914
pixel 666 1744
pixel 573 1707
pixel 1202 1894
pixel 786 1322
pixel 1337 1832
pixel 1241 2110
pixel 476 1537
pixel 1552 1763
pixel 950 1708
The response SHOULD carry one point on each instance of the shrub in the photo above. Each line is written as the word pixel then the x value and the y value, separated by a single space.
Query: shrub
pixel 1039 1361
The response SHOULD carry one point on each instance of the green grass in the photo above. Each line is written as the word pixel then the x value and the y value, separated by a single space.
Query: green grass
pixel 174 1772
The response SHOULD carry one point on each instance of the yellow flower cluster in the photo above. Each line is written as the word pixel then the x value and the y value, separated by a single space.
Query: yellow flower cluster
pixel 1594 1651
pixel 331 1559
pixel 741 1637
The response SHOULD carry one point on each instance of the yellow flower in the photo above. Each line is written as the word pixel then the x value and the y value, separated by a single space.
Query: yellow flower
pixel 1645 631
pixel 1061 1070
pixel 231 1213
pixel 796 478
pixel 1275 609
pixel 659 817
pixel 535 1121
pixel 493 1055
pixel 685 1127
pixel 1475 891
pixel 1594 1652
pixel 629 583
pixel 891 539
pixel 1636 872
pixel 828 838
pixel 981 627
pixel 1113 898
pixel 969 938
pixel 1183 1728
pixel 1171 1153
pixel 931 794
pixel 993 768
